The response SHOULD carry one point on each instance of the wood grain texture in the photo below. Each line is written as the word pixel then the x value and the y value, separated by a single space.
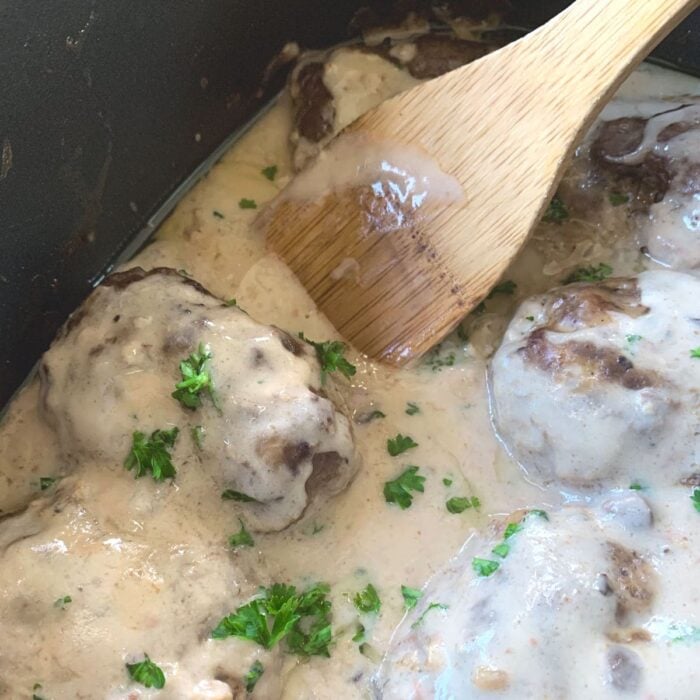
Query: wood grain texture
pixel 504 127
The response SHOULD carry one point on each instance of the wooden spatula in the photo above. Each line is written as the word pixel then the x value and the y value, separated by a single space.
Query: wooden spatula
pixel 411 215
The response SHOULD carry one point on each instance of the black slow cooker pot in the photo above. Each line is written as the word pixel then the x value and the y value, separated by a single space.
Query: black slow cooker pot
pixel 108 107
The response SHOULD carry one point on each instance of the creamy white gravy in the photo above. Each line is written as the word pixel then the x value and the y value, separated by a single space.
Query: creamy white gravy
pixel 349 541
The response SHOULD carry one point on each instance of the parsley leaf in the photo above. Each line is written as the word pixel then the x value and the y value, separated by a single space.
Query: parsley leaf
pixel 399 444
pixel 447 482
pixel 196 378
pixel 218 214
pixel 484 567
pixel 436 361
pixel 695 498
pixel 253 676
pixel 359 635
pixel 330 357
pixel 399 490
pixel 592 273
pixel 507 287
pixel 632 338
pixel 242 538
pixel 231 495
pixel 247 203
pixel 269 172
pixel 616 198
pixel 695 353
pixel 152 454
pixel 279 612
pixel 635 486
pixel 458 504
pixel 432 606
pixel 501 550
pixel 146 673
pixel 46 482
pixel 412 408
pixel 411 596
pixel 197 432
pixel 556 211
pixel 63 602
pixel 529 318
pixel 367 601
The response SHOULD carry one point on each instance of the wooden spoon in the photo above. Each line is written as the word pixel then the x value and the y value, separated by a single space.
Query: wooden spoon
pixel 411 215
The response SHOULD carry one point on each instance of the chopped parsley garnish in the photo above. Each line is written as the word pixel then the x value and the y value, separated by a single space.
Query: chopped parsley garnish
pixel 196 378
pixel 372 415
pixel 695 353
pixel 270 172
pixel 242 538
pixel 330 356
pixel 695 498
pixel 253 676
pixel 37 686
pixel 556 211
pixel 279 613
pixel 633 338
pixel 370 652
pixel 146 673
pixel 436 361
pixel 399 444
pixel 63 602
pixel 487 567
pixel 447 482
pixel 529 318
pixel 458 504
pixel 197 432
pixel 501 550
pixel 411 596
pixel 484 567
pixel 592 273
pixel 616 198
pixel 231 495
pixel 247 203
pixel 367 600
pixel 231 302
pixel 432 606
pixel 399 490
pixel 218 214
pixel 46 482
pixel 152 454
pixel 359 635
pixel 507 287
pixel 636 486
pixel 412 408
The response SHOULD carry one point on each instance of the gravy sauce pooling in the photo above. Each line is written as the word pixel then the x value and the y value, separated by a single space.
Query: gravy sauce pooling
pixel 99 569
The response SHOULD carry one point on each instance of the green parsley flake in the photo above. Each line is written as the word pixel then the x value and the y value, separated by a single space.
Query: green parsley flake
pixel 270 172
pixel 253 676
pixel 592 273
pixel 279 613
pixel 359 635
pixel 507 287
pixel 196 378
pixel 447 482
pixel 197 432
pixel 231 302
pixel 242 538
pixel 412 408
pixel 695 353
pixel 501 550
pixel 411 596
pixel 432 606
pixel 556 211
pixel 695 498
pixel 152 454
pixel 218 214
pixel 399 444
pixel 436 361
pixel 636 486
pixel 247 203
pixel 146 673
pixel 231 495
pixel 46 482
pixel 484 567
pixel 529 318
pixel 399 490
pixel 367 601
pixel 330 356
pixel 458 504
pixel 617 199
pixel 633 338
pixel 63 602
